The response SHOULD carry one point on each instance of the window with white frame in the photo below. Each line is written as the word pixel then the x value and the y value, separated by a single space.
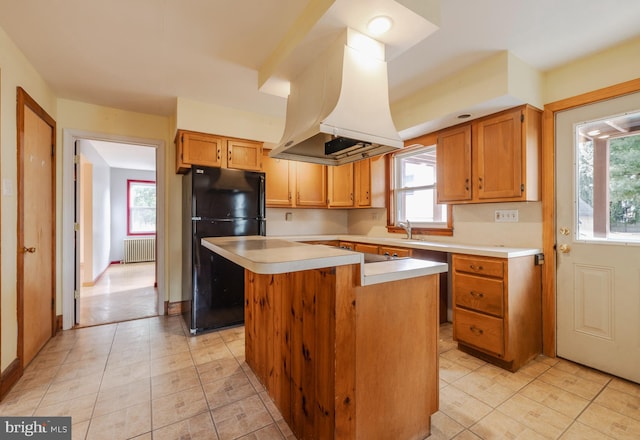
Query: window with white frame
pixel 415 197
pixel 141 207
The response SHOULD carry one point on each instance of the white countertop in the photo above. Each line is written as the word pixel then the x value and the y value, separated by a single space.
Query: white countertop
pixel 271 255
pixel 487 251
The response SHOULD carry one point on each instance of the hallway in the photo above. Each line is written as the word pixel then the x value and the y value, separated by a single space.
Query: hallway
pixel 122 293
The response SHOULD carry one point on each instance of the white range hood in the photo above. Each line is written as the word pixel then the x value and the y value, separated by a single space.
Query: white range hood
pixel 338 108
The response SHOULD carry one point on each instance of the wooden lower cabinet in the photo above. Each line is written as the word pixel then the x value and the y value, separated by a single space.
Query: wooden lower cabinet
pixel 497 310
pixel 341 368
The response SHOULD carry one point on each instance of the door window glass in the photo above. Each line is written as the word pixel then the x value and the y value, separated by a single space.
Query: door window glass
pixel 608 179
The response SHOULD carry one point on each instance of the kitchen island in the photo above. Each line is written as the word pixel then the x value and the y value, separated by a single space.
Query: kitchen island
pixel 345 349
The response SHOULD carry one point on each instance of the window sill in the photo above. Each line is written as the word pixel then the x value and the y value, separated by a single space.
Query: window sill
pixel 445 232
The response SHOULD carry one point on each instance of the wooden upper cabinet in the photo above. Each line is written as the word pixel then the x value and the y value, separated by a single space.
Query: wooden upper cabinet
pixel 244 155
pixel 493 159
pixel 280 183
pixel 311 185
pixel 341 186
pixel 362 183
pixel 294 184
pixel 453 164
pixel 194 148
pixel 210 150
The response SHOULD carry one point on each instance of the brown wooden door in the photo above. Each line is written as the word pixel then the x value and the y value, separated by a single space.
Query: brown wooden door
pixel 36 227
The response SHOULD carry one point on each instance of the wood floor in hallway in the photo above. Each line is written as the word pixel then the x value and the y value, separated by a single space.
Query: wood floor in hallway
pixel 123 292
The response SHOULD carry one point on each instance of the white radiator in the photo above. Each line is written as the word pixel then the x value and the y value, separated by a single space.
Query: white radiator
pixel 137 250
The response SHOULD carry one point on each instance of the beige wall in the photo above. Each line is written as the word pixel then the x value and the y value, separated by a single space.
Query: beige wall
pixel 15 71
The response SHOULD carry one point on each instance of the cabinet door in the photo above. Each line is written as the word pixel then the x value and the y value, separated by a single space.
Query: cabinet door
pixel 341 186
pixel 311 185
pixel 497 152
pixel 453 160
pixel 362 170
pixel 279 186
pixel 244 155
pixel 201 149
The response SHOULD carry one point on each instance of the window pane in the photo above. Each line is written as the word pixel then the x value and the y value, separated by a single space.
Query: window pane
pixel 608 179
pixel 415 189
pixel 142 207
pixel 418 169
pixel 142 220
pixel 420 206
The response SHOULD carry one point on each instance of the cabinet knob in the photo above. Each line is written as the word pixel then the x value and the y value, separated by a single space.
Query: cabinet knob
pixel 476 268
pixel 480 182
pixel 476 331
pixel 476 294
pixel 28 250
pixel 466 184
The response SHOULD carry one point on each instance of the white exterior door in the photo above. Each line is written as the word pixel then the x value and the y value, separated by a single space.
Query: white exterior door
pixel 598 235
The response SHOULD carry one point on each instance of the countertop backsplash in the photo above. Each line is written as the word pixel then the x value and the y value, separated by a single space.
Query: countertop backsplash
pixel 473 224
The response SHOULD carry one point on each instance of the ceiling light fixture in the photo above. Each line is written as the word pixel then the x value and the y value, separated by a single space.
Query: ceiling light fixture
pixel 379 25
pixel 593 132
pixel 464 116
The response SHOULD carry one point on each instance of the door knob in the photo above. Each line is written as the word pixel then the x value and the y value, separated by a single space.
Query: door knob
pixel 564 231
pixel 29 250
pixel 564 248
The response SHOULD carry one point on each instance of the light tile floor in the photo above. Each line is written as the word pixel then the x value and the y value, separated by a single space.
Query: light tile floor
pixel 123 292
pixel 146 379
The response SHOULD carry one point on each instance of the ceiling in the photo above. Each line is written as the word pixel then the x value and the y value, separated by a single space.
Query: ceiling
pixel 140 55
pixel 119 155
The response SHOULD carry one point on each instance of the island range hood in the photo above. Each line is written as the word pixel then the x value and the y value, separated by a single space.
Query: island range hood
pixel 338 108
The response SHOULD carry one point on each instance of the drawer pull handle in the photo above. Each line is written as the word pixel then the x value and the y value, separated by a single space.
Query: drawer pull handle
pixel 476 331
pixel 476 294
pixel 476 268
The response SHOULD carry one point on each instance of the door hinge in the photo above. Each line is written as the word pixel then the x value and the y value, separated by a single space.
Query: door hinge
pixel 53 150
pixel 76 227
pixel 76 159
pixel 75 294
pixel 522 187
pixel 521 117
pixel 53 303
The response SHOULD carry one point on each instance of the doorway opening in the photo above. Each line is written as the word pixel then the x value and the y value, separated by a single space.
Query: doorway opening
pixel 115 201
pixel 116 218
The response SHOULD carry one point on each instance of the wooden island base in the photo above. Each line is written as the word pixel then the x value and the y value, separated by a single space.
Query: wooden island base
pixel 344 361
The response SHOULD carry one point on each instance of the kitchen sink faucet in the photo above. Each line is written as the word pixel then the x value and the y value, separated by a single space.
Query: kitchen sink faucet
pixel 406 225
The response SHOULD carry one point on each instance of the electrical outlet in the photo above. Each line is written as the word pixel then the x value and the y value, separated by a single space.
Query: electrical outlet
pixel 506 216
pixel 288 217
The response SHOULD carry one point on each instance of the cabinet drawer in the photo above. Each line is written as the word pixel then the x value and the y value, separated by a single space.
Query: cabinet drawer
pixel 478 265
pixel 368 248
pixel 394 251
pixel 481 294
pixel 481 331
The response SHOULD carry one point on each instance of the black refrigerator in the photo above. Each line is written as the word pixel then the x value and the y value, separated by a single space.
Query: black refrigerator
pixel 217 202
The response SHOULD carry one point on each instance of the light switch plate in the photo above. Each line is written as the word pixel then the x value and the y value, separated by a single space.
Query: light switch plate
pixel 506 216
